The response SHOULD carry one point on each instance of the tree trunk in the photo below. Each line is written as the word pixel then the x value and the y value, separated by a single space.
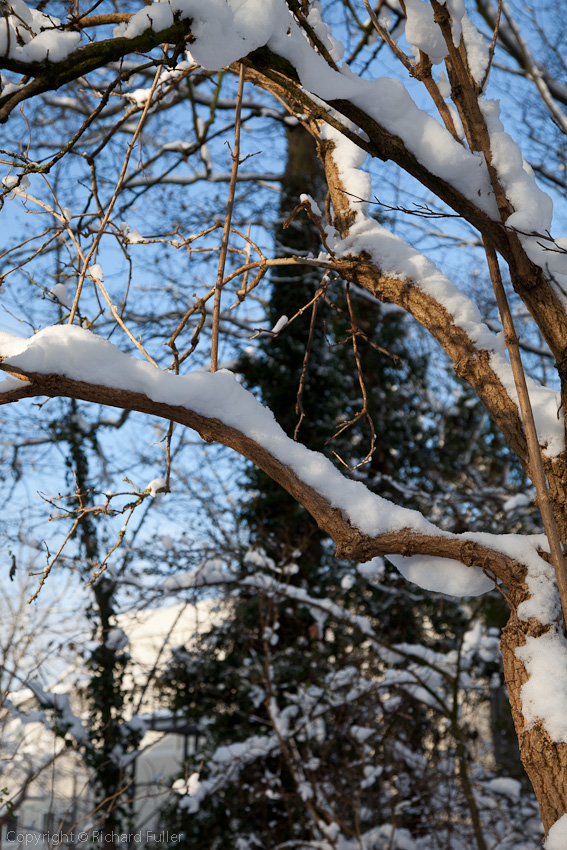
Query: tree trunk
pixel 545 760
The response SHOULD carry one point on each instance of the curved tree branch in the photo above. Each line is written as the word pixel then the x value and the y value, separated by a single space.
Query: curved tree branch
pixel 350 541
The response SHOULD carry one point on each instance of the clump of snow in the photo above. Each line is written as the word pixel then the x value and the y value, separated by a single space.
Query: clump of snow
pixel 11 345
pixel 156 485
pixel 9 384
pixel 30 36
pixel 371 774
pixel 258 558
pixel 442 575
pixel 96 272
pixel 304 197
pixel 544 603
pixel 253 747
pixel 422 32
pixel 533 208
pixel 443 85
pixel 211 571
pixel 520 500
pixel 222 32
pixel 507 786
pixel 130 234
pixel 394 837
pixel 331 830
pixel 323 32
pixel 60 293
pixel 281 323
pixel 156 16
pixel 478 641
pixel 544 695
pixel 116 639
pixel 50 46
pixel 139 96
pixel 361 733
pixel 67 720
pixel 187 787
pixel 478 49
pixel 347 581
pixel 373 569
pixel 12 181
pixel 557 835
pixel 458 13
pixel 351 159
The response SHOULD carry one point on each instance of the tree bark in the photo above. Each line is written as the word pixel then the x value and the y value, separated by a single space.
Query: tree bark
pixel 545 760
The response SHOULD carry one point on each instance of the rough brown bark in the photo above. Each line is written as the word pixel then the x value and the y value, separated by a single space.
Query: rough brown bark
pixel 545 760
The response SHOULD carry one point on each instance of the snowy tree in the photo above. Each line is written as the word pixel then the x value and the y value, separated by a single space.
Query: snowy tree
pixel 436 124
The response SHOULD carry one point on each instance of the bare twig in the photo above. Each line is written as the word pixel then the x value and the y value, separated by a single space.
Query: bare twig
pixel 363 413
pixel 301 388
pixel 50 563
pixel 492 46
pixel 226 231
pixel 385 35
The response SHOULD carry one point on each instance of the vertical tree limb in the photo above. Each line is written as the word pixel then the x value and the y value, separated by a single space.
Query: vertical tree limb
pixel 226 230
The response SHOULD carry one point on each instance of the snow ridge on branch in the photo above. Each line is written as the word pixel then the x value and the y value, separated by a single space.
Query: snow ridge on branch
pixel 68 360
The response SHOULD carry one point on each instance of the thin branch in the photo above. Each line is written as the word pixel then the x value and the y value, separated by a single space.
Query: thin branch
pixel 534 71
pixel 301 388
pixel 385 35
pixel 226 231
pixel 492 46
pixel 364 412
pixel 50 563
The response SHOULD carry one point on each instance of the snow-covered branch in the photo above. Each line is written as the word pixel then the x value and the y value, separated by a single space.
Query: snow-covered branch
pixel 361 523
